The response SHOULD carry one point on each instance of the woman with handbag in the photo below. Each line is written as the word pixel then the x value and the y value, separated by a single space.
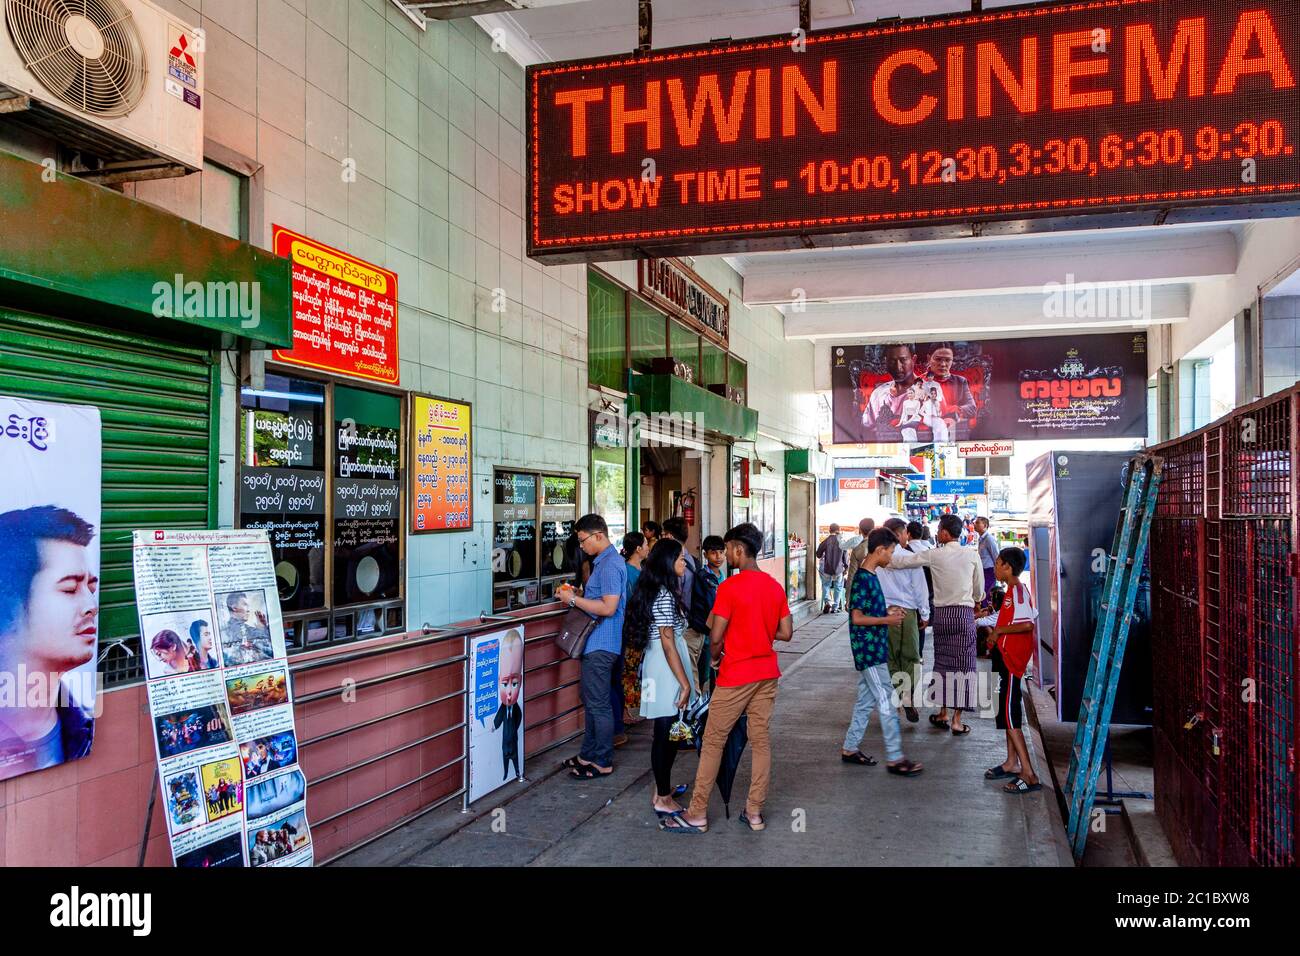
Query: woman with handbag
pixel 656 625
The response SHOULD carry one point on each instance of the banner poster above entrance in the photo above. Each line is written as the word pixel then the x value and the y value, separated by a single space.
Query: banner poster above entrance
pixel 1090 386
pixel 1046 110
pixel 344 311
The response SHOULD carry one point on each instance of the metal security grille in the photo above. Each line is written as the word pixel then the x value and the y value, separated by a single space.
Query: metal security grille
pixel 156 404
pixel 1225 637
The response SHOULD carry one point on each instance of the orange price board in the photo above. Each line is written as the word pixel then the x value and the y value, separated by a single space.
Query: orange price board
pixel 441 465
pixel 344 311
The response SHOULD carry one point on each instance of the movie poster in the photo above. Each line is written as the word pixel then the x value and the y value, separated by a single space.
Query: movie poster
pixel 49 583
pixel 218 687
pixel 1088 386
pixel 496 711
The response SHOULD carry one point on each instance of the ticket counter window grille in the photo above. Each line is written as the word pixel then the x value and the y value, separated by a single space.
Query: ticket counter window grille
pixel 532 523
pixel 321 470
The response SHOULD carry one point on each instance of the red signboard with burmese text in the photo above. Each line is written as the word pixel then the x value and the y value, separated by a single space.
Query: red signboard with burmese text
pixel 344 311
pixel 1043 110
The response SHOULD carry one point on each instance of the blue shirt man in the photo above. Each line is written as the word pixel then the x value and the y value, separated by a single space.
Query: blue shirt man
pixel 608 576
pixel 604 598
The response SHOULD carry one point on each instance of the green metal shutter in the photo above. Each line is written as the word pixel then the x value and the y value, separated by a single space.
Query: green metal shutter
pixel 157 403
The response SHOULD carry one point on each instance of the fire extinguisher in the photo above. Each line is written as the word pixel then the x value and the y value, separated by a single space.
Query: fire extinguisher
pixel 687 503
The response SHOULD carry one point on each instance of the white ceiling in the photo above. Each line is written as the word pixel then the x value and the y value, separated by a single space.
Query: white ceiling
pixel 601 27
pixel 978 286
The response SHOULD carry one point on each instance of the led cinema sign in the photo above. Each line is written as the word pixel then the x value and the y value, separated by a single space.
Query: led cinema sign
pixel 1076 107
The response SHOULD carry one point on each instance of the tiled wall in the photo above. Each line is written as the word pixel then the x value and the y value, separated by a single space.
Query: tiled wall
pixel 431 121
pixel 1280 342
pixel 780 380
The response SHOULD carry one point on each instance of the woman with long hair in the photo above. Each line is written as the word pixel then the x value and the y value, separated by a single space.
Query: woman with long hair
pixel 656 624
pixel 635 550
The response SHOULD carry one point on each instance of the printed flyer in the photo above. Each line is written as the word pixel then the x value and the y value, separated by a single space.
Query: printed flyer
pixel 219 696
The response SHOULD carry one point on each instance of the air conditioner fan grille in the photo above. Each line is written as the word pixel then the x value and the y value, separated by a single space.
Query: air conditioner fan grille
pixel 86 53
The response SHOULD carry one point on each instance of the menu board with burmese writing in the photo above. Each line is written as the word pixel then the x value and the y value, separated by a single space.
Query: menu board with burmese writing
pixel 441 465
pixel 367 495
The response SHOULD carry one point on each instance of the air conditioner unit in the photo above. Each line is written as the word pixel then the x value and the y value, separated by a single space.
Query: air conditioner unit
pixel 121 80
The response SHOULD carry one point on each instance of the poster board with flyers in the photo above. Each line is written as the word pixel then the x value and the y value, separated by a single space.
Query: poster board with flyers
pixel 217 681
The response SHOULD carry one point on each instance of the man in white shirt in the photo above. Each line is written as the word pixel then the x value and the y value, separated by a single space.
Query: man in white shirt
pixel 988 548
pixel 905 588
pixel 919 540
pixel 958 588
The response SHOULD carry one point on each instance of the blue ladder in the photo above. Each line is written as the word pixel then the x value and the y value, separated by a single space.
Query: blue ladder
pixel 1123 572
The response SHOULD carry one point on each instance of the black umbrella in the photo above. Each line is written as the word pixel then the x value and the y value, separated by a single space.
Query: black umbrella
pixel 731 753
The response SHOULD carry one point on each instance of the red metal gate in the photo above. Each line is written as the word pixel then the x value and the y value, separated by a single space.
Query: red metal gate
pixel 1225 638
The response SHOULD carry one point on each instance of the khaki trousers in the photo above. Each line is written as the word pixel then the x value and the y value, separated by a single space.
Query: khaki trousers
pixel 694 645
pixel 725 707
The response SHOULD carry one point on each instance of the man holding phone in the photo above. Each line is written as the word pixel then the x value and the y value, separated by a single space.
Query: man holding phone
pixel 604 597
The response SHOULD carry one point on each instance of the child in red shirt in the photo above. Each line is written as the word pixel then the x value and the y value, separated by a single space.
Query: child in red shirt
pixel 1014 636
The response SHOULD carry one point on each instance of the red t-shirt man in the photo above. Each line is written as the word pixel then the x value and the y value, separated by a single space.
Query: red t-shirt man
pixel 750 612
pixel 753 602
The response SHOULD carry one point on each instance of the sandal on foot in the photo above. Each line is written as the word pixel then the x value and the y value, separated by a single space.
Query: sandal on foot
pixel 569 763
pixel 676 823
pixel 1017 785
pixel 858 757
pixel 587 771
pixel 904 768
pixel 755 823
pixel 937 721
pixel 911 714
pixel 998 773
pixel 960 733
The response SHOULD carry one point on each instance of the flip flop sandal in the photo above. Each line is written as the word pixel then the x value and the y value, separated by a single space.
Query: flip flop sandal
pixel 998 773
pixel 586 772
pixel 936 721
pixel 963 732
pixel 754 825
pixel 865 760
pixel 904 768
pixel 1018 786
pixel 679 825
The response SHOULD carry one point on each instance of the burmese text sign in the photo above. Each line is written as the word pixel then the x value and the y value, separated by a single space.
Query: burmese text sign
pixel 441 466
pixel 344 311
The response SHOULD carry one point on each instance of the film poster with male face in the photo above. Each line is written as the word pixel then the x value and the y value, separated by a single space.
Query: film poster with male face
pixel 496 711
pixel 217 673
pixel 49 583
pixel 1085 386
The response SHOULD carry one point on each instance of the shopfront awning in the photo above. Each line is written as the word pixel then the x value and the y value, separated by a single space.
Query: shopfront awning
pixel 76 249
pixel 809 461
pixel 668 394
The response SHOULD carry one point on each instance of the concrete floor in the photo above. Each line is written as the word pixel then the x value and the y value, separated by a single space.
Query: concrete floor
pixel 820 811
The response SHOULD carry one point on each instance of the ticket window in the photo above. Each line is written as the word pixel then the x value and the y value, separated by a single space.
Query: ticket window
pixel 321 471
pixel 532 529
